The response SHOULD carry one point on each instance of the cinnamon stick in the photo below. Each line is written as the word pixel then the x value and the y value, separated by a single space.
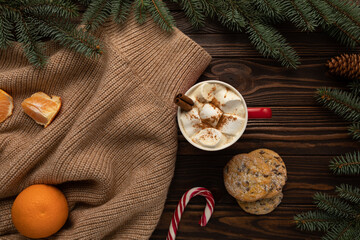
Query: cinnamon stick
pixel 184 102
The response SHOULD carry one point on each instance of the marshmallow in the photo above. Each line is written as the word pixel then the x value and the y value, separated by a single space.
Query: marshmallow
pixel 208 137
pixel 191 121
pixel 206 92
pixel 231 124
pixel 210 114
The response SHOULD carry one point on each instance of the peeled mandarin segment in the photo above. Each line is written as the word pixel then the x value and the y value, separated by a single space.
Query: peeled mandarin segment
pixel 41 107
pixel 6 105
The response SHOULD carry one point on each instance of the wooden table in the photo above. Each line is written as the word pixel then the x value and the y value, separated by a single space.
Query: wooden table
pixel 306 135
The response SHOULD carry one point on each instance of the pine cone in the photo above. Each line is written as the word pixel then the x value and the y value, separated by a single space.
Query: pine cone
pixel 346 65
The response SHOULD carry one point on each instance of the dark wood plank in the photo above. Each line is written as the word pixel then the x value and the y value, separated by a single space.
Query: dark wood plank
pixel 302 132
pixel 292 131
pixel 306 175
pixel 230 222
pixel 263 83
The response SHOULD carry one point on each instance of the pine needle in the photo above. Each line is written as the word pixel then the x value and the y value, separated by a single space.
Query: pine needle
pixel 355 87
pixel 271 43
pixel 96 14
pixel 343 231
pixel 301 14
pixel 314 221
pixel 334 205
pixel 349 193
pixel 161 14
pixel 193 11
pixel 354 130
pixel 120 10
pixel 346 164
pixel 342 103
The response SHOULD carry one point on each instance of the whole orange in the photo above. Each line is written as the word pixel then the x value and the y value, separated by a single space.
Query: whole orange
pixel 39 211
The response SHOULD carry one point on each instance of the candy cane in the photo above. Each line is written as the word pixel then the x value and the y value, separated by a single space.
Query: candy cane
pixel 209 209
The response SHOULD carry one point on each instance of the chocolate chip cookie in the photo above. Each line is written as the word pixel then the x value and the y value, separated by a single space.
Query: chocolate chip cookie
pixel 247 178
pixel 262 206
pixel 277 167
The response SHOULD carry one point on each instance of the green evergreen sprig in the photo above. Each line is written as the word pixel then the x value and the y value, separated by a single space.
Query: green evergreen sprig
pixel 341 102
pixel 354 130
pixel 349 193
pixel 346 164
pixel 338 216
pixel 29 21
pixel 355 87
pixel 340 18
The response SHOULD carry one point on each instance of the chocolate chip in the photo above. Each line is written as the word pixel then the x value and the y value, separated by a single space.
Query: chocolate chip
pixel 276 157
pixel 277 165
pixel 256 174
pixel 266 176
pixel 262 152
pixel 247 189
pixel 247 183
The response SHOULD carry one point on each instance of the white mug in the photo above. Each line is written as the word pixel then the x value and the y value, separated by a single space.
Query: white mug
pixel 250 113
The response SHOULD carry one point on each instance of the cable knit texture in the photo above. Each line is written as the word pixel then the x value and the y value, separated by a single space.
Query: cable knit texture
pixel 112 147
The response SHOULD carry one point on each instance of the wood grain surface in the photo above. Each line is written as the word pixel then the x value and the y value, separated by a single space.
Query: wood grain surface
pixel 306 135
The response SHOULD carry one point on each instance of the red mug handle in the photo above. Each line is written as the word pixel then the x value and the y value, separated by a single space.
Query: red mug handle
pixel 259 112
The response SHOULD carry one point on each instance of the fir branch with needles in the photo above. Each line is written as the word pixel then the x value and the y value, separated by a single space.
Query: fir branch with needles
pixel 340 18
pixel 30 21
pixel 354 130
pixel 338 216
pixel 343 103
pixel 346 164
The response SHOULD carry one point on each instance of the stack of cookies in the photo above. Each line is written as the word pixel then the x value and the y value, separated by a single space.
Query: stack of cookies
pixel 256 180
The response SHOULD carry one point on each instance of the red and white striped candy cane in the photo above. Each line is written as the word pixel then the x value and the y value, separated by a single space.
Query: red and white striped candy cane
pixel 209 209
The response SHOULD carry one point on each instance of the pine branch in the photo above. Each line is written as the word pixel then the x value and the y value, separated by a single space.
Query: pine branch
pixel 230 17
pixel 161 14
pixel 26 35
pixel 347 9
pixel 342 103
pixel 334 206
pixel 346 27
pixel 325 12
pixel 271 9
pixel 301 14
pixel 96 14
pixel 270 42
pixel 343 231
pixel 349 193
pixel 354 130
pixel 315 221
pixel 140 11
pixel 67 35
pixel 58 8
pixel 6 35
pixel 348 164
pixel 210 7
pixel 120 10
pixel 355 87
pixel 193 11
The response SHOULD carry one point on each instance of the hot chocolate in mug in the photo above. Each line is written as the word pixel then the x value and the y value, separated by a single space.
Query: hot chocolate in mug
pixel 218 115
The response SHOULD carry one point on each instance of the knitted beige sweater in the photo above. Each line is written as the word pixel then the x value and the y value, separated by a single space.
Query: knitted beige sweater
pixel 112 147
